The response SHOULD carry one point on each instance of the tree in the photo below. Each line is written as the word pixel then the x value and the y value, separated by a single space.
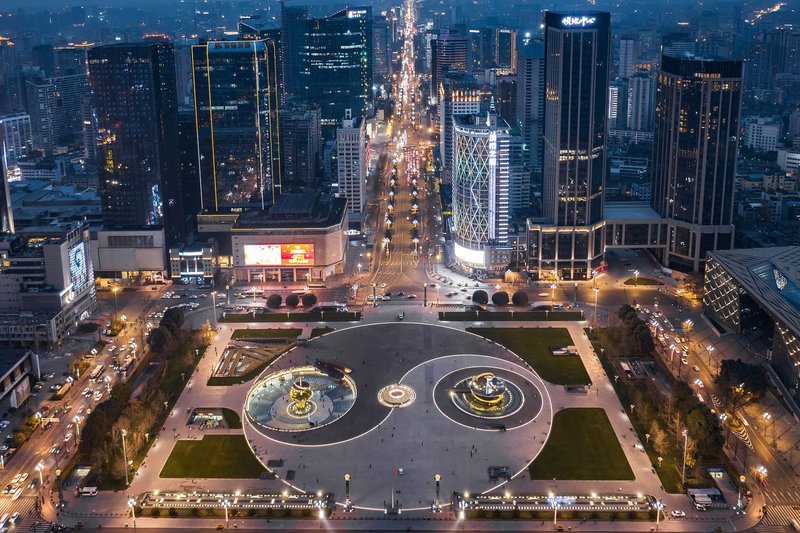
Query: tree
pixel 208 330
pixel 274 301
pixel 740 382
pixel 176 315
pixel 520 298
pixel 480 297
pixel 704 428
pixel 159 339
pixel 658 438
pixel 500 298
pixel 292 300
pixel 691 452
pixel 309 299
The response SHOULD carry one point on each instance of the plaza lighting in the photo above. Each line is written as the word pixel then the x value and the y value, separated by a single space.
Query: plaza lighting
pixel 225 505
pixel 132 505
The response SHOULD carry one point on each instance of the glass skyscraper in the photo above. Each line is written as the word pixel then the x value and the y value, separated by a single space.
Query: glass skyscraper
pixel 135 103
pixel 336 65
pixel 236 97
pixel 695 146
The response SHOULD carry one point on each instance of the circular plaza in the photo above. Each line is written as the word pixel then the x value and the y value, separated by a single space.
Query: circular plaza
pixel 392 405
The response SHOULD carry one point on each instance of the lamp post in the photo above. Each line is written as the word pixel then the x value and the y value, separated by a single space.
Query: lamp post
pixel 77 421
pixel 359 269
pixel 374 297
pixel 436 507
pixel 685 444
pixel 214 307
pixel 225 505
pixel 132 505
pixel 125 455
pixel 115 290
pixel 554 503
pixel 709 349
pixel 659 506
pixel 742 480
pixel 348 504
pixel 636 278
pixel 39 468
pixel 552 294
pixel 596 292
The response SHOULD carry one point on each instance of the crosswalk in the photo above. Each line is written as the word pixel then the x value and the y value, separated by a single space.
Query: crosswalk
pixel 778 518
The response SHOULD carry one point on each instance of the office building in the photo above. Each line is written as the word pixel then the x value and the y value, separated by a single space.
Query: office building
pixel 189 164
pixel 46 284
pixel 135 104
pixel 12 100
pixel 481 213
pixel 505 94
pixel 15 133
pixel 451 51
pixel 618 103
pixel 459 94
pixel 381 50
pixel 337 65
pixel 72 59
pixel 694 156
pixel 236 100
pixel 301 145
pixel 641 101
pixel 294 23
pixel 530 100
pixel 54 105
pixel 577 63
pixel 351 162
pixel 762 133
pixel 505 48
pixel 6 212
pixel 628 56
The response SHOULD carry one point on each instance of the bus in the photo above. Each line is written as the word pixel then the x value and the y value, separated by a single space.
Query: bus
pixel 317 286
pixel 96 372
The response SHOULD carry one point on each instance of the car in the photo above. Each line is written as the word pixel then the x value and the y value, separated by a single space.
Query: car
pixel 387 293
pixel 33 483
pixel 696 368
pixel 401 315
pixel 23 477
pixel 684 361
pixel 411 296
pixel 401 294
pixel 15 479
pixel 55 387
pixel 699 383
pixel 4 448
pixel 4 424
pixel 14 517
pixel 49 375
pixel 385 298
pixel 17 494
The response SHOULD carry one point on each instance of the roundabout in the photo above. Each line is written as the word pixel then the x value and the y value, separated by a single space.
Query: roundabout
pixel 392 405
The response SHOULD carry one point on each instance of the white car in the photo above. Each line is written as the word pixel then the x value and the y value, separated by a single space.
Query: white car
pixel 678 514
pixel 699 383
pixel 23 477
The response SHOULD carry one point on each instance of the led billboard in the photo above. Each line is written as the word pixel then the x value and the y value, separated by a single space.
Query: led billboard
pixel 278 254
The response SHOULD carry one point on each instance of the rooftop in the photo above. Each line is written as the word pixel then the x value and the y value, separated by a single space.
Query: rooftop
pixel 630 211
pixel 770 275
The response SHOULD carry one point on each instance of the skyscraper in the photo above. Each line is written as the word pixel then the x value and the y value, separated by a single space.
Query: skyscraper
pixel 694 156
pixel 577 64
pixel 336 63
pixel 459 94
pixel 236 99
pixel 481 191
pixel 55 108
pixel 294 22
pixel 381 49
pixel 628 56
pixel 505 48
pixel 301 145
pixel 6 213
pixel 641 95
pixel 351 161
pixel 530 100
pixel 618 103
pixel 133 95
pixel 451 51
pixel 15 132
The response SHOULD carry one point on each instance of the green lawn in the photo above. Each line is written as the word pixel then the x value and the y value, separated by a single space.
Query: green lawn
pixel 214 457
pixel 533 346
pixel 273 333
pixel 581 446
pixel 489 316
pixel 642 281
pixel 318 332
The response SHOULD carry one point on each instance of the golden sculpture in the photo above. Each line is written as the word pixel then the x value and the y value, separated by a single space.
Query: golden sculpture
pixel 487 392
pixel 300 394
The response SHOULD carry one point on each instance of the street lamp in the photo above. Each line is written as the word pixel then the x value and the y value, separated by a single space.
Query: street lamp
pixel 225 505
pixel 39 468
pixel 132 505
pixel 348 504
pixel 214 307
pixel 553 294
pixel 685 434
pixel 125 455
pixel 77 421
pixel 596 292
pixel 554 502
pixel 359 269
pixel 659 507
pixel 636 278
pixel 709 349
pixel 115 290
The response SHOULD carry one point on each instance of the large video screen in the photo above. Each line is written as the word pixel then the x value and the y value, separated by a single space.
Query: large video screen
pixel 278 254
pixel 77 265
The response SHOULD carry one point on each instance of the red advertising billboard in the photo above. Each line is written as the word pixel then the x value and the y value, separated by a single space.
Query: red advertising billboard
pixel 278 254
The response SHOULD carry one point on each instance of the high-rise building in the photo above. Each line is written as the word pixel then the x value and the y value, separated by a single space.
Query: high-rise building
pixel 641 98
pixel 44 57
pixel 381 50
pixel 54 105
pixel 336 63
pixel 188 161
pixel 351 162
pixel 73 59
pixel 15 132
pixel 618 103
pixel 236 100
pixel 577 65
pixel 11 97
pixel 294 23
pixel 505 48
pixel 530 100
pixel 481 212
pixel 133 96
pixel 301 145
pixel 628 56
pixel 696 140
pixel 6 213
pixel 451 51
pixel 459 94
pixel 505 90
pixel 89 131
pixel 677 44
